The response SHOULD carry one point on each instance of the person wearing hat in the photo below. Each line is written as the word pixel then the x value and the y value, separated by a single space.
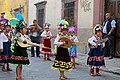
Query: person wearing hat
pixel 3 38
pixel 19 54
pixel 46 37
pixel 62 61
pixel 95 55
pixel 35 38
pixel 73 49
pixel 6 48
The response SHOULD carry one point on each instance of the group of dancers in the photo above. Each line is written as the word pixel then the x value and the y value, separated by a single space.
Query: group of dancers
pixel 12 52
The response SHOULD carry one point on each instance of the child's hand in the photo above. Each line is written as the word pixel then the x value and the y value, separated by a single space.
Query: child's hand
pixel 96 45
pixel 1 50
pixel 25 42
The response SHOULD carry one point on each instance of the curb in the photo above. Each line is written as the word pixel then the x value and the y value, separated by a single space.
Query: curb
pixel 116 73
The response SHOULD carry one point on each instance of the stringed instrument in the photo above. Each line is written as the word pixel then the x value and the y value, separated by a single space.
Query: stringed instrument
pixel 29 44
pixel 98 42
pixel 68 43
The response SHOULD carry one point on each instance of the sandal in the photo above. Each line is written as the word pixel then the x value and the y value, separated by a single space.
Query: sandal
pixel 18 79
pixel 98 74
pixel 92 72
pixel 49 59
pixel 3 69
pixel 9 69
pixel 62 78
pixel 65 77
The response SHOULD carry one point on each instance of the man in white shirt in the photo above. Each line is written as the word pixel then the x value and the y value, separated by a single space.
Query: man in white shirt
pixel 35 37
pixel 109 26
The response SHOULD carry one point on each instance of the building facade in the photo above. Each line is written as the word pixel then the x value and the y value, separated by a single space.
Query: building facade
pixel 9 8
pixel 83 14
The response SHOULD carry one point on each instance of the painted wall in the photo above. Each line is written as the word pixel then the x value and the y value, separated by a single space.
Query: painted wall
pixel 7 5
pixel 85 13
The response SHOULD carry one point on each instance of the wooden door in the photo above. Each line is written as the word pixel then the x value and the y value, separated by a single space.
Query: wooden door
pixel 113 7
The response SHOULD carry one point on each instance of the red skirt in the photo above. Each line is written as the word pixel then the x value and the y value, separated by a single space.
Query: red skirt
pixel 47 43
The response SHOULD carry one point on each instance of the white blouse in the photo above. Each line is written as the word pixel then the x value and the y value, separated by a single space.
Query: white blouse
pixel 3 38
pixel 44 34
pixel 74 38
pixel 92 40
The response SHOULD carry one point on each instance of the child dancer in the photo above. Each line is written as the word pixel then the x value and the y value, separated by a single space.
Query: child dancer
pixel 59 34
pixel 19 54
pixel 62 61
pixel 6 48
pixel 46 35
pixel 73 52
pixel 96 57
pixel 2 36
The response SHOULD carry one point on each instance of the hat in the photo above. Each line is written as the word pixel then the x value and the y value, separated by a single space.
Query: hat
pixel 63 24
pixel 19 17
pixel 14 21
pixel 3 20
pixel 7 24
pixel 46 25
pixel 72 29
pixel 97 28
pixel 20 25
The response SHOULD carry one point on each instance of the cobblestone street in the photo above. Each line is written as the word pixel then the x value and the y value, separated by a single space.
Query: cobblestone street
pixel 41 70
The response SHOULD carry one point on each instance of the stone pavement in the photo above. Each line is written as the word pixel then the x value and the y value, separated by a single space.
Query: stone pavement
pixel 112 65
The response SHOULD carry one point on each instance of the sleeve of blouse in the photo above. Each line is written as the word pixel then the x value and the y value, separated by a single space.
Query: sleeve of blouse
pixel 43 34
pixel 56 41
pixel 76 39
pixel 91 41
pixel 5 39
pixel 1 44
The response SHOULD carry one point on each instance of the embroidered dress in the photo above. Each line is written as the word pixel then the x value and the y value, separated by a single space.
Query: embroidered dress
pixel 4 56
pixel 19 54
pixel 46 42
pixel 62 61
pixel 96 57
pixel 73 50
pixel 6 49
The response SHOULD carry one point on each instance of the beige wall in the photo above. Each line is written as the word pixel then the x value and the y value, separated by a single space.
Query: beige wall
pixel 52 12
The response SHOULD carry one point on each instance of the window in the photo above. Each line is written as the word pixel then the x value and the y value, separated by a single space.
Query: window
pixel 40 17
pixel 40 12
pixel 69 12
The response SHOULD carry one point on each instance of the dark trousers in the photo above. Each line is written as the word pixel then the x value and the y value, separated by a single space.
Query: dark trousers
pixel 35 40
pixel 105 49
pixel 109 48
pixel 111 45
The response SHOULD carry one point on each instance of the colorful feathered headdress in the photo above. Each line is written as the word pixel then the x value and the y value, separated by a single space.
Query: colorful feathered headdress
pixel 63 24
pixel 72 29
pixel 47 25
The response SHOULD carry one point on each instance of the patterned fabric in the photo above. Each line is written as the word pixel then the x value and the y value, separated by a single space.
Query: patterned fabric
pixel 62 66
pixel 62 61
pixel 47 43
pixel 19 55
pixel 6 54
pixel 73 51
pixel 96 58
